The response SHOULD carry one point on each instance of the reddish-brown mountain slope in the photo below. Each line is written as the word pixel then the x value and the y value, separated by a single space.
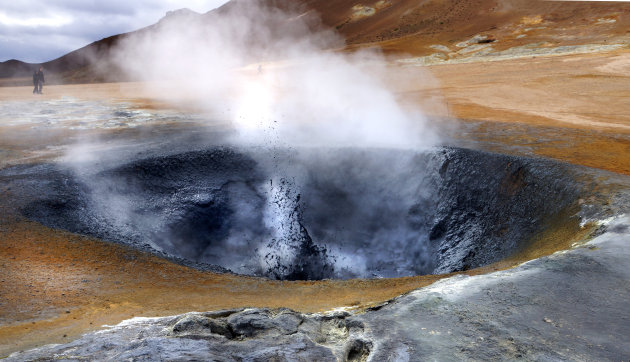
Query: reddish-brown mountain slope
pixel 412 26
pixel 419 28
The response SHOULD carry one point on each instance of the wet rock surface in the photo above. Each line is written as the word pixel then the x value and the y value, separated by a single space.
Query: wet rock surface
pixel 567 306
pixel 309 214
pixel 488 206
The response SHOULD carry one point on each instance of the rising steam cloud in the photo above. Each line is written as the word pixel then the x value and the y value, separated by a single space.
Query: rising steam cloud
pixel 275 74
pixel 282 82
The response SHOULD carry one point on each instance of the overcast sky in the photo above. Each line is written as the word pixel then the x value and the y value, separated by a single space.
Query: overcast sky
pixel 36 31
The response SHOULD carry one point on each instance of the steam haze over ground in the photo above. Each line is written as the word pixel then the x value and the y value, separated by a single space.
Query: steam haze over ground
pixel 265 69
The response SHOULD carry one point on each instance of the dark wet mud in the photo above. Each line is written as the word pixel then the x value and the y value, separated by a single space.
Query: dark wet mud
pixel 310 213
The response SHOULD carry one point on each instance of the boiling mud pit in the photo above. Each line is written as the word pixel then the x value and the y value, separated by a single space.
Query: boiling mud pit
pixel 284 212
pixel 307 214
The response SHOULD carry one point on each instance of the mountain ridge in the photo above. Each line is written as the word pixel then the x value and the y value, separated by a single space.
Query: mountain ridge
pixel 414 28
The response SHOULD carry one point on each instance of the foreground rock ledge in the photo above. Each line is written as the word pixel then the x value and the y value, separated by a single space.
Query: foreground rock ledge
pixel 568 306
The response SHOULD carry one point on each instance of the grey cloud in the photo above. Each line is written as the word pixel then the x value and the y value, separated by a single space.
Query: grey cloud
pixel 91 21
pixel 31 44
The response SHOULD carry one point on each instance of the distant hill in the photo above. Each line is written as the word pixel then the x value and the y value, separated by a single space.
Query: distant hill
pixel 75 67
pixel 15 68
pixel 89 64
pixel 418 28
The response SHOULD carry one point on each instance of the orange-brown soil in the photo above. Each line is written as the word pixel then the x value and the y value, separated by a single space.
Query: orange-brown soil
pixel 55 284
pixel 575 106
pixel 408 26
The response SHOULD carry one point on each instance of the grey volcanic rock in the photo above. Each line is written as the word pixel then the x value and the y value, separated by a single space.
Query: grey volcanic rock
pixel 569 306
pixel 572 305
pixel 488 206
pixel 232 335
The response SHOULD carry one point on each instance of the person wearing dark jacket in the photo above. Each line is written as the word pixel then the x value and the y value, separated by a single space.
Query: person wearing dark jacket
pixel 35 82
pixel 40 80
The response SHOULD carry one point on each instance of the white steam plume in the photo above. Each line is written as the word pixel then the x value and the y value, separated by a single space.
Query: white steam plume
pixel 262 69
pixel 282 81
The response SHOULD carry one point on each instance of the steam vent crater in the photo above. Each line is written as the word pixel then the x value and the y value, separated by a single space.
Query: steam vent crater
pixel 307 214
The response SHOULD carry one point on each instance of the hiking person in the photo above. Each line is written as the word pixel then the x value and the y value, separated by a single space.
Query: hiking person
pixel 40 80
pixel 35 82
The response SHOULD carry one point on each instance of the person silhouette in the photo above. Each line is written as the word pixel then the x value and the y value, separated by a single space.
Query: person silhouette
pixel 35 82
pixel 38 80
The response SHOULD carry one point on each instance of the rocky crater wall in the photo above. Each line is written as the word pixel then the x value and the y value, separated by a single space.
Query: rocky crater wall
pixel 311 213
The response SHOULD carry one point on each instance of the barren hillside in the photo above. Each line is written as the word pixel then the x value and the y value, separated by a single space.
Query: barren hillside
pixel 429 31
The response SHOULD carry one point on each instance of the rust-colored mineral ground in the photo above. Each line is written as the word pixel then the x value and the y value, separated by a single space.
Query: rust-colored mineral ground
pixel 55 285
